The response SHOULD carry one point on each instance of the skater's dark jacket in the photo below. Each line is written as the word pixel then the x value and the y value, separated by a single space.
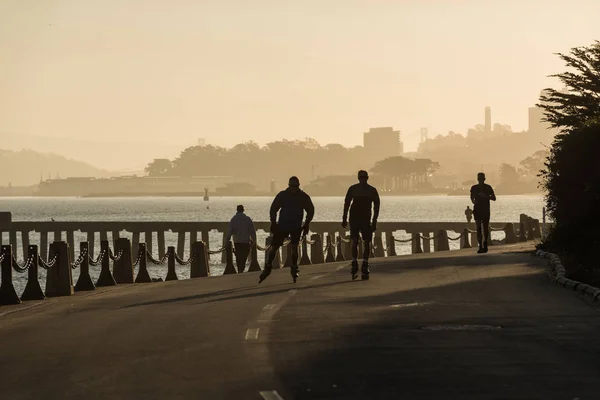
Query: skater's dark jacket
pixel 291 209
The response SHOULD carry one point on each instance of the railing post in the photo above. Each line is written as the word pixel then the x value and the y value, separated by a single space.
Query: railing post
pixel 85 280
pixel 71 243
pixel 135 243
pixel 171 274
pixel 316 249
pixel 43 250
pixel 25 244
pixel 105 278
pixel 12 240
pixel 329 257
pixel 441 242
pixel 33 290
pixel 91 238
pixel 180 244
pixel 143 276
pixel 254 265
pixel 148 242
pixel 59 278
pixel 199 267
pixel 390 244
pixel 277 259
pixel 304 259
pixel 229 267
pixel 348 248
pixel 510 236
pixel 544 230
pixel 426 243
pixel 288 255
pixel 339 253
pixel 537 234
pixel 464 240
pixel 522 237
pixel 8 295
pixel 416 243
pixel 378 242
pixel 123 267
pixel 160 236
pixel 206 240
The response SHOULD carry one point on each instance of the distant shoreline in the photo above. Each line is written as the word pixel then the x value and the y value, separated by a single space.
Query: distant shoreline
pixel 201 196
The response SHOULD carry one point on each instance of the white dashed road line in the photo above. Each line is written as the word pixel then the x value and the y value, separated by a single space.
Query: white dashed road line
pixel 252 333
pixel 316 277
pixel 271 395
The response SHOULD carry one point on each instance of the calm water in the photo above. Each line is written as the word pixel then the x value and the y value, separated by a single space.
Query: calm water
pixel 397 208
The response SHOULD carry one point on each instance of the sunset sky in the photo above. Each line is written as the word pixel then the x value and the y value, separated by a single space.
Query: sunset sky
pixel 172 71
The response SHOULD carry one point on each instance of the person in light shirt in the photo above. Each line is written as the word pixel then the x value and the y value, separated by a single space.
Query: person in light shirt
pixel 242 229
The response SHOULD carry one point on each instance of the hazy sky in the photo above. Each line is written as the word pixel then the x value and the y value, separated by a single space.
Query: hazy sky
pixel 229 71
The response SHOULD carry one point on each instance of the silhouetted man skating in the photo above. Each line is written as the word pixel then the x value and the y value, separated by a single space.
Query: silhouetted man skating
pixel 359 199
pixel 481 194
pixel 291 205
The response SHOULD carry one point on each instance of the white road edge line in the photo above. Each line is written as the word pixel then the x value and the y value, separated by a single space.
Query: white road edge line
pixel 341 267
pixel 316 277
pixel 271 395
pixel 252 333
pixel 269 306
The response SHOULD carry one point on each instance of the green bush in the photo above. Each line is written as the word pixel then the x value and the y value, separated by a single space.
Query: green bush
pixel 572 182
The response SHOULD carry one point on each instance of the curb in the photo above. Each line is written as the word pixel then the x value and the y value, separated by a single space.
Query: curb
pixel 556 272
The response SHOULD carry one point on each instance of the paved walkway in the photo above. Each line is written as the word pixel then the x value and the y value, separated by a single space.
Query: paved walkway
pixel 452 325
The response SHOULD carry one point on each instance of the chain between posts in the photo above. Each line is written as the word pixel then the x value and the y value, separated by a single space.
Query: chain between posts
pixel 97 261
pixel 154 261
pixel 49 264
pixel 139 257
pixel 79 260
pixel 181 262
pixel 17 267
pixel 113 257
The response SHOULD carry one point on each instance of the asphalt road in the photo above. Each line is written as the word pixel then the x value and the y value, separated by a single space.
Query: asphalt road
pixel 451 325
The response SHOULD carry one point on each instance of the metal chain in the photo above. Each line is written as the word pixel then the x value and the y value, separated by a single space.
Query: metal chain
pixel 139 257
pixel 113 257
pixel 181 262
pixel 49 264
pixel 79 260
pixel 98 260
pixel 456 238
pixel 154 261
pixel 26 265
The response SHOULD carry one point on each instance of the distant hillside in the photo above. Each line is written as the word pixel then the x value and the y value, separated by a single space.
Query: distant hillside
pixel 24 167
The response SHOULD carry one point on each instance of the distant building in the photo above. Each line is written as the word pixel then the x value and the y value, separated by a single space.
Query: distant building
pixel 201 142
pixel 488 120
pixel 384 142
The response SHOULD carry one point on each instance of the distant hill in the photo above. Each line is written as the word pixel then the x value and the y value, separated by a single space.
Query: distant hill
pixel 23 168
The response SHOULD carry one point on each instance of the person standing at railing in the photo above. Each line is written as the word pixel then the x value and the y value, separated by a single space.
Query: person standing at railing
pixel 360 198
pixel 291 205
pixel 481 194
pixel 242 229
pixel 469 214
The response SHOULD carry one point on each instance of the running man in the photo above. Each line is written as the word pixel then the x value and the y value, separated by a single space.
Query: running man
pixel 358 200
pixel 291 205
pixel 481 194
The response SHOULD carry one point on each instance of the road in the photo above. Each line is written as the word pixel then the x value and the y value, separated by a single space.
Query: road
pixel 449 325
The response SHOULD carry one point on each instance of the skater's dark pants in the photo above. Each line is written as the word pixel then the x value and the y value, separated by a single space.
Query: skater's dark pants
pixel 482 221
pixel 363 228
pixel 278 239
pixel 242 250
